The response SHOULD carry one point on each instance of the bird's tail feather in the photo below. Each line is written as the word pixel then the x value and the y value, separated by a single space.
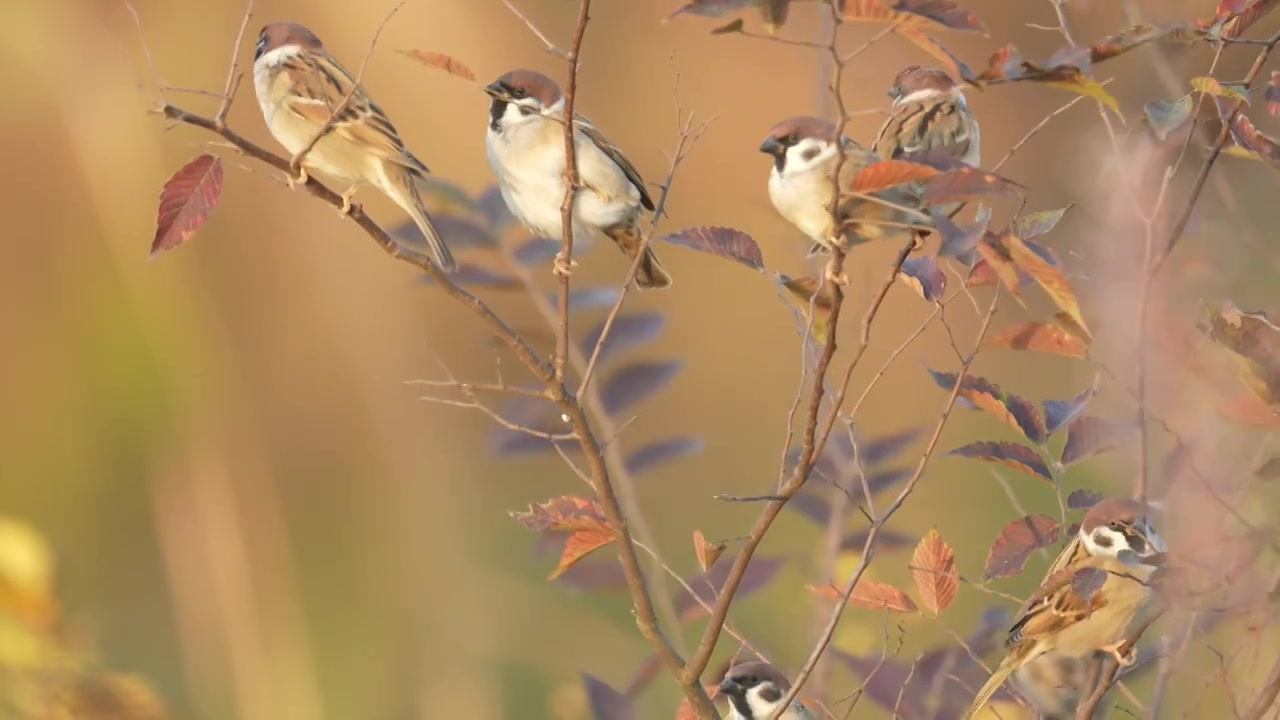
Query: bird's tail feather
pixel 413 205
pixel 650 274
pixel 993 683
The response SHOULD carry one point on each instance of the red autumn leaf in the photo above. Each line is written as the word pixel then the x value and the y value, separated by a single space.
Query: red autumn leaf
pixel 186 201
pixel 870 594
pixel 440 61
pixel 1015 455
pixel 1050 277
pixel 707 553
pixel 1040 337
pixel 933 565
pixel 1083 499
pixel 1017 541
pixel 1255 11
pixel 1089 436
pixel 967 183
pixel 583 519
pixel 722 242
pixel 910 12
pixel 995 265
pixel 988 397
pixel 887 174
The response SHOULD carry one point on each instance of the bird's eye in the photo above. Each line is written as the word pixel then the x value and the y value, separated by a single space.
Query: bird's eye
pixel 753 680
pixel 791 139
pixel 519 93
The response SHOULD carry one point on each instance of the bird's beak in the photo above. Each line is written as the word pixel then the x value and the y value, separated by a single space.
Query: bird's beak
pixel 895 92
pixel 493 89
pixel 771 146
pixel 729 686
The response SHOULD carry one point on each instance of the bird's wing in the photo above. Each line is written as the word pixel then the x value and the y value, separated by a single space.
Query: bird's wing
pixel 320 86
pixel 613 153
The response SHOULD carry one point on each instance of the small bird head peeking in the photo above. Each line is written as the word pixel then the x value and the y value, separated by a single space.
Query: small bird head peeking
pixel 1119 528
pixel 919 82
pixel 282 39
pixel 801 144
pixel 755 691
pixel 523 97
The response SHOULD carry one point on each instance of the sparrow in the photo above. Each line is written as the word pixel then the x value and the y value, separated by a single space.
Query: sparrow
pixel 1116 538
pixel 299 87
pixel 754 690
pixel 801 186
pixel 525 146
pixel 929 117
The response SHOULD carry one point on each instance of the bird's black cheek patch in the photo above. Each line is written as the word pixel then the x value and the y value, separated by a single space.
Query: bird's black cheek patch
pixel 1104 541
pixel 770 693
pixel 809 154
pixel 497 109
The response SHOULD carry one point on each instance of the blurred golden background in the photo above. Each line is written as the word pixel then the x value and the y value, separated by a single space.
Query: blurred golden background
pixel 250 509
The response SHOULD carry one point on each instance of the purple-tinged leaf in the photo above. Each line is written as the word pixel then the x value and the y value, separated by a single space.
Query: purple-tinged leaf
pixel 924 276
pixel 656 453
pixel 1017 541
pixel 720 241
pixel 186 200
pixel 1088 436
pixel 536 250
pixel 604 574
pixel 712 8
pixel 472 275
pixel 494 208
pixel 967 183
pixel 628 332
pixel 1033 225
pixel 886 540
pixel 882 480
pixel 1058 413
pixel 878 449
pixel 1015 455
pixel 1083 499
pixel 987 396
pixel 457 232
pixel 811 506
pixel 633 383
pixel 958 240
pixel 591 298
pixel 1087 581
pixel 708 584
pixel 606 703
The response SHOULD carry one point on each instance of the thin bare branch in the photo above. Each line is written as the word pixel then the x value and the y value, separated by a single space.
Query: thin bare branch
pixel 233 72
pixel 551 47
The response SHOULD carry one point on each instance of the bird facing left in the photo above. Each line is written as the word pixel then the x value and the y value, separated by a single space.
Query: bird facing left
pixel 755 691
pixel 300 86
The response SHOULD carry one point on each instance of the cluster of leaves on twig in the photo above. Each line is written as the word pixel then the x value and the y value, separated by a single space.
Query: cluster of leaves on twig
pixel 547 416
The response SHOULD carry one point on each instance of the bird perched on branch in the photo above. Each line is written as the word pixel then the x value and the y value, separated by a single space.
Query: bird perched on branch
pixel 1098 593
pixel 930 118
pixel 525 146
pixel 755 690
pixel 802 187
pixel 302 90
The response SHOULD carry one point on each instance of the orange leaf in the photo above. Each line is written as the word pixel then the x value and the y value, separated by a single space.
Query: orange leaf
pixel 1050 278
pixel 871 594
pixel 933 565
pixel 440 61
pixel 707 553
pixel 186 201
pixel 1040 337
pixel 998 264
pixel 579 545
pixel 887 174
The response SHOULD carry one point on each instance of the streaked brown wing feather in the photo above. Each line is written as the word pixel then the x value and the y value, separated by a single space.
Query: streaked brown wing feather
pixel 1054 605
pixel 361 121
pixel 944 127
pixel 614 154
